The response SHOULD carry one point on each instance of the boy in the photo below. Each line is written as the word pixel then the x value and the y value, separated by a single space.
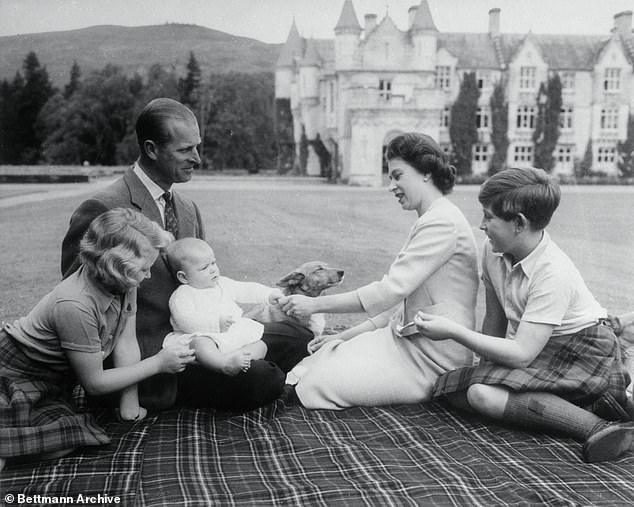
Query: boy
pixel 546 349
pixel 204 313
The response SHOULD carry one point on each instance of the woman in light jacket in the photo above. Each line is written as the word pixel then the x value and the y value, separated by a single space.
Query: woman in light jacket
pixel 377 362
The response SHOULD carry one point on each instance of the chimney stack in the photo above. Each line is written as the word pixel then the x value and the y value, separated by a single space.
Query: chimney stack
pixel 623 23
pixel 494 22
pixel 370 23
pixel 411 15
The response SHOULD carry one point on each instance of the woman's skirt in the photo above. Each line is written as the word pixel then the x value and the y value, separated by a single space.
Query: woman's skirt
pixel 37 414
pixel 579 368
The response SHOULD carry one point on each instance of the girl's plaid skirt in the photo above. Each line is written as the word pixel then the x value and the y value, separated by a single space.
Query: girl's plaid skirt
pixel 579 367
pixel 37 414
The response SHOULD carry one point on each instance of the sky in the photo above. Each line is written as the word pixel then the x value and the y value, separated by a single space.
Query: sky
pixel 270 20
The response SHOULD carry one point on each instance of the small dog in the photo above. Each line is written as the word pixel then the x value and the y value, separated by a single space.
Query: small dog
pixel 310 279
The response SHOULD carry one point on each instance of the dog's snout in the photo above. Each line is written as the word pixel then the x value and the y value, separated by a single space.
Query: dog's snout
pixel 340 273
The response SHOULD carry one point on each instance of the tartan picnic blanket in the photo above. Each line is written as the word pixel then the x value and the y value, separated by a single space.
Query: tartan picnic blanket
pixel 287 455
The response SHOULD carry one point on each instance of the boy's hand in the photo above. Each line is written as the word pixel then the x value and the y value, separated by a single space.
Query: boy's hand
pixel 436 327
pixel 226 321
pixel 174 359
pixel 275 296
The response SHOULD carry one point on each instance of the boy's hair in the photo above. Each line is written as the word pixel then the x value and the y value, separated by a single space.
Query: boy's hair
pixel 183 251
pixel 113 241
pixel 530 191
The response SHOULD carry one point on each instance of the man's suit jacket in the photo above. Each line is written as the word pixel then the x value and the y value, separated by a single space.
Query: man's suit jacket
pixel 153 296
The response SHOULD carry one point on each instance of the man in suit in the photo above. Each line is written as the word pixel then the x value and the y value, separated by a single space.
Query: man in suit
pixel 168 138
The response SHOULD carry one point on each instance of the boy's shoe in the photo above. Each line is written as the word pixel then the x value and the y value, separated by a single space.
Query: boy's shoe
pixel 608 442
pixel 606 407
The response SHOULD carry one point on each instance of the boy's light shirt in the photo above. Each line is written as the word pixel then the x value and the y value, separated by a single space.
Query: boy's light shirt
pixel 545 288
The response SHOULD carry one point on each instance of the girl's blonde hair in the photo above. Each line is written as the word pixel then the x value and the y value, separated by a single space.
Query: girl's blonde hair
pixel 113 241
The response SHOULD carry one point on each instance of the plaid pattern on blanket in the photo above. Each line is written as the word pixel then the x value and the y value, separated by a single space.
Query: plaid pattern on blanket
pixel 279 455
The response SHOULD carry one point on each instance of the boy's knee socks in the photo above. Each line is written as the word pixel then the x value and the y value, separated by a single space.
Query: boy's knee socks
pixel 545 411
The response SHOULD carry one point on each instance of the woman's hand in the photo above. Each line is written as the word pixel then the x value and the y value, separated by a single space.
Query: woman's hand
pixel 137 413
pixel 300 307
pixel 319 341
pixel 436 327
pixel 174 358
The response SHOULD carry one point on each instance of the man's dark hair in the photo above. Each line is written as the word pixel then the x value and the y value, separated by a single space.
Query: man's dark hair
pixel 152 122
pixel 530 191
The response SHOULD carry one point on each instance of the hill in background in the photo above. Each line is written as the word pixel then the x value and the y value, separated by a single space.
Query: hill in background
pixel 135 49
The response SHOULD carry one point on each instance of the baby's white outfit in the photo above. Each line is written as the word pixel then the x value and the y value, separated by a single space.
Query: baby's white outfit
pixel 197 312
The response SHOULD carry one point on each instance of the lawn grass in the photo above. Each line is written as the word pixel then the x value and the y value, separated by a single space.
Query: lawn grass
pixel 260 231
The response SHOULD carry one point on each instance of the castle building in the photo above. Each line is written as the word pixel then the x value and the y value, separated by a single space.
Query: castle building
pixel 373 82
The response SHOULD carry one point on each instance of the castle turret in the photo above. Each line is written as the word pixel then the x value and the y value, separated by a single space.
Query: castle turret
pixel 347 33
pixel 290 53
pixel 309 72
pixel 424 37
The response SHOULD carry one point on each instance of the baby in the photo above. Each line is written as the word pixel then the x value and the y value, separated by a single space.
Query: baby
pixel 204 313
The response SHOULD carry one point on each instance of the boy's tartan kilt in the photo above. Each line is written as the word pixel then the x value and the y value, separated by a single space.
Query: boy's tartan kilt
pixel 579 368
pixel 37 414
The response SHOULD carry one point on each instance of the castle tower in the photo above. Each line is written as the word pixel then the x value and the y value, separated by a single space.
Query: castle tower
pixel 347 33
pixel 424 37
pixel 309 72
pixel 291 51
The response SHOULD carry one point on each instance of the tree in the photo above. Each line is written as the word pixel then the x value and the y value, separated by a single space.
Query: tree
pixel 324 156
pixel 584 167
pixel 239 125
pixel 303 151
pixel 90 124
pixel 499 127
pixel 462 127
pixel 625 151
pixel 29 100
pixel 190 85
pixel 284 140
pixel 73 84
pixel 546 131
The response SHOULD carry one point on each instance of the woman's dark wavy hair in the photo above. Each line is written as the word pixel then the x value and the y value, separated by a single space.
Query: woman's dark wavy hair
pixel 528 190
pixel 423 154
pixel 113 241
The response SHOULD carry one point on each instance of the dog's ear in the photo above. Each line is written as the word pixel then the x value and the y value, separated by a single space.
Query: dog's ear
pixel 293 279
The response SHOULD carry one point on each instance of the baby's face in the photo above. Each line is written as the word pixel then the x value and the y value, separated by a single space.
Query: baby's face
pixel 202 272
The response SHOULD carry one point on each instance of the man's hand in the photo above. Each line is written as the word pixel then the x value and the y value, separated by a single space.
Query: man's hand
pixel 300 307
pixel 436 327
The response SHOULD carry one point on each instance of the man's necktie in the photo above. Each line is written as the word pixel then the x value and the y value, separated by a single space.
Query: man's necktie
pixel 171 224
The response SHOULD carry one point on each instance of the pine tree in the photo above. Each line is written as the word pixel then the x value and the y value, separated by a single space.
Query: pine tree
pixel 303 151
pixel 73 84
pixel 546 131
pixel 35 93
pixel 190 86
pixel 625 151
pixel 499 128
pixel 462 128
pixel 284 135
pixel 585 166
